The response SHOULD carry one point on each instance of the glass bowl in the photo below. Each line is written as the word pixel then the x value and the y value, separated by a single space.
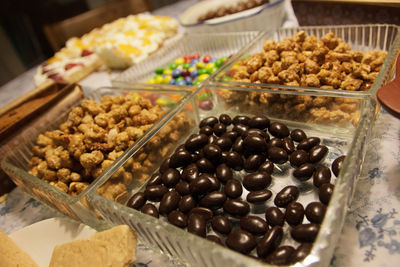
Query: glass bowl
pixel 16 162
pixel 340 137
pixel 363 38
pixel 215 45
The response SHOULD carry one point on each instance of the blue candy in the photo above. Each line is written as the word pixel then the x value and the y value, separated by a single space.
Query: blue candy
pixel 172 81
pixel 188 80
pixel 194 73
pixel 176 73
pixel 181 83
pixel 213 59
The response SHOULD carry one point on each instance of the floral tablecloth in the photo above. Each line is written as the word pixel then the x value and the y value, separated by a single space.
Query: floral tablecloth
pixel 370 236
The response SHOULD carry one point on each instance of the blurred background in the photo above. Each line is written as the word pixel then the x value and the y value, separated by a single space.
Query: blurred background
pixel 24 45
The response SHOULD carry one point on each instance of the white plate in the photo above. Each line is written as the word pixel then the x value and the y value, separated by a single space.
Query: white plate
pixel 39 239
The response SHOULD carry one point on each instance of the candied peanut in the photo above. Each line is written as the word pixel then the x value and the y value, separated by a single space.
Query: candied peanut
pixel 311 67
pixel 75 116
pixel 288 76
pixel 310 80
pixel 350 83
pixel 43 140
pixel 285 45
pixel 330 40
pixel 329 78
pixel 62 186
pixel 255 62
pixel 269 45
pixel 277 67
pixel 90 160
pixel 75 177
pixel 270 57
pixel 75 188
pixel 299 37
pixel 63 175
pixel 264 74
pixel 310 43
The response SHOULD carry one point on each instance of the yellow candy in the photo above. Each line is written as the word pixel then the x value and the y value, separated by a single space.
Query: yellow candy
pixel 202 77
pixel 210 65
pixel 200 65
pixel 166 79
pixel 191 69
pixel 235 67
pixel 179 61
pixel 151 81
pixel 161 102
pixel 158 79
pixel 167 71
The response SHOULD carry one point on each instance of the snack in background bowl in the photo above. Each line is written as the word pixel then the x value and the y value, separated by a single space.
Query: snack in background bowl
pixel 232 9
pixel 118 44
pixel 187 70
pixel 233 16
pixel 305 61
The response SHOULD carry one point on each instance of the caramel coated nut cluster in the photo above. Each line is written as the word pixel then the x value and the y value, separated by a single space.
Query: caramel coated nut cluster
pixel 328 63
pixel 306 61
pixel 94 136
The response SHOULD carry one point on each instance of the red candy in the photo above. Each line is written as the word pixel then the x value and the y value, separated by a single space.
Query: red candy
pixel 196 56
pixel 187 59
pixel 185 73
pixel 206 59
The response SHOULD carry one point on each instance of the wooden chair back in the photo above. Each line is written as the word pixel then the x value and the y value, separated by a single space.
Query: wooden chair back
pixel 58 33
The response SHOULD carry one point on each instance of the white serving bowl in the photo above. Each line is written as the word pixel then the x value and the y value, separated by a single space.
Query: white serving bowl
pixel 266 17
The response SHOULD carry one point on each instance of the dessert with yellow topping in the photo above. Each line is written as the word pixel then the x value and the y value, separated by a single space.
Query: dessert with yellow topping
pixel 118 44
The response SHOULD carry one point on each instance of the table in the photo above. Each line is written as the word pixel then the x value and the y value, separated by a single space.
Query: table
pixel 370 236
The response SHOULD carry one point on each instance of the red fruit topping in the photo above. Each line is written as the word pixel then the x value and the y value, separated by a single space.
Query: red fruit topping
pixel 86 52
pixel 71 65
pixel 56 77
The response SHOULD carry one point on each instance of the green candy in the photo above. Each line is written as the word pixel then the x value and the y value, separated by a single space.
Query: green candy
pixel 202 71
pixel 159 70
pixel 203 96
pixel 185 66
pixel 180 78
pixel 197 82
pixel 227 78
pixel 212 70
pixel 218 63
pixel 171 103
pixel 173 66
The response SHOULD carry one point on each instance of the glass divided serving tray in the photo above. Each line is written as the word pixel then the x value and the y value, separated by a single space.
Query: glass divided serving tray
pixel 215 45
pixel 363 38
pixel 341 137
pixel 16 162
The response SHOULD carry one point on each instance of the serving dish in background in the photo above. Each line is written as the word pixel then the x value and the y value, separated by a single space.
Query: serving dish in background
pixel 16 163
pixel 363 38
pixel 215 45
pixel 269 16
pixel 341 139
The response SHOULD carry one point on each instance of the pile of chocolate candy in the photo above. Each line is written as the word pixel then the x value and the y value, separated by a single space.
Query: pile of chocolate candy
pixel 220 178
